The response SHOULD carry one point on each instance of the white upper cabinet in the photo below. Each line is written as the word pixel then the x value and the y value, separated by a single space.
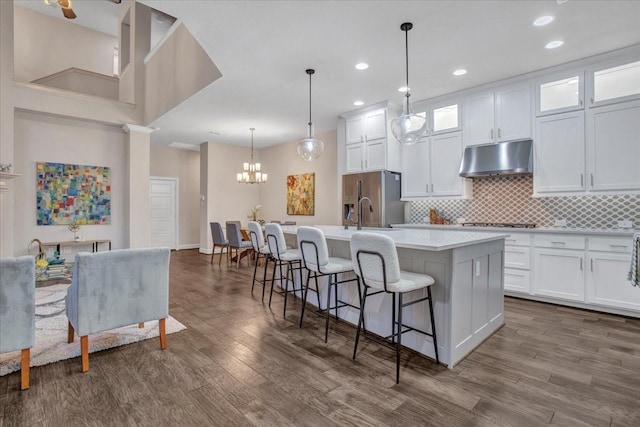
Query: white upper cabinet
pixel 368 145
pixel 431 167
pixel 496 116
pixel 560 93
pixel 445 118
pixel 614 82
pixel 559 150
pixel 613 147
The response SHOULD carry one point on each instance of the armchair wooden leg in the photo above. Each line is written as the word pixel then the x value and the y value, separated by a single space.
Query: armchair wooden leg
pixel 141 325
pixel 25 359
pixel 70 333
pixel 163 333
pixel 84 352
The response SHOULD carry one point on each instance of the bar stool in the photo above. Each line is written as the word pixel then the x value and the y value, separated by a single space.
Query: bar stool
pixel 376 263
pixel 316 259
pixel 281 255
pixel 261 249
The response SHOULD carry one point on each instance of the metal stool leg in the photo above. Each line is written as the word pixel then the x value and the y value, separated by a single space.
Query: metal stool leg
pixel 361 319
pixel 264 275
pixel 399 342
pixel 433 324
pixel 276 264
pixel 255 270
pixel 304 299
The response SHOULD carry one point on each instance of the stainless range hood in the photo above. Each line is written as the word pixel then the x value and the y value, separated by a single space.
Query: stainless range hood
pixel 503 158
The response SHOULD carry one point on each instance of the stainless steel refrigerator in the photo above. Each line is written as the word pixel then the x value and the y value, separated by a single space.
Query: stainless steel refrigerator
pixel 383 189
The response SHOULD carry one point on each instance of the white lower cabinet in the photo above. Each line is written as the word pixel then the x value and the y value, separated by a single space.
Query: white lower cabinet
pixel 559 273
pixel 607 282
pixel 517 263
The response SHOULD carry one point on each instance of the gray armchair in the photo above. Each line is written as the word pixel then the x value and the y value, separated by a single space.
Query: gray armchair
pixel 217 235
pixel 17 310
pixel 117 288
pixel 234 234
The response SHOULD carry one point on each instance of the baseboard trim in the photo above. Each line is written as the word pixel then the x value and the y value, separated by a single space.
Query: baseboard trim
pixel 191 246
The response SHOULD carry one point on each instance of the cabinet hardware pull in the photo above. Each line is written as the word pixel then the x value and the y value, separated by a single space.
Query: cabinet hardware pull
pixel 365 164
pixel 581 102
pixel 591 180
pixel 558 243
pixel 365 138
pixel 580 264
pixel 619 246
pixel 427 188
pixel 592 100
pixel 581 180
pixel 492 134
pixel 591 264
pixel 499 133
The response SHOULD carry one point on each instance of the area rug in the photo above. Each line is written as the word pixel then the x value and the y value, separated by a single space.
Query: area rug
pixel 51 333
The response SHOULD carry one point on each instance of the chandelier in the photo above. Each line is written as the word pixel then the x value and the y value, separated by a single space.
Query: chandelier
pixel 310 148
pixel 251 173
pixel 408 127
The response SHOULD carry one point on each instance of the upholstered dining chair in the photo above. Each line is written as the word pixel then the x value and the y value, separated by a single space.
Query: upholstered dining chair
pixel 234 235
pixel 112 289
pixel 17 310
pixel 217 236
pixel 375 261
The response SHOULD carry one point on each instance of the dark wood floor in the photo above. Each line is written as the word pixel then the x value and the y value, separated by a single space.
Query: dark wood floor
pixel 239 363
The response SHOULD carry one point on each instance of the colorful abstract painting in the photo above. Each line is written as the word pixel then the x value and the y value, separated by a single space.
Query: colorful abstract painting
pixel 301 194
pixel 72 193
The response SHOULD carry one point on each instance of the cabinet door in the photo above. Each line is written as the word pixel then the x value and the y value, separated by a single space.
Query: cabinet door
pixel 613 143
pixel 355 129
pixel 517 280
pixel 513 113
pixel 615 84
pixel 415 169
pixel 479 119
pixel 375 126
pixel 355 157
pixel 607 282
pixel 445 118
pixel 375 154
pixel 559 153
pixel 559 273
pixel 562 93
pixel 445 156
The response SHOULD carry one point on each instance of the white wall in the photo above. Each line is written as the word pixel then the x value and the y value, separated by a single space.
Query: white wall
pixel 184 165
pixel 45 45
pixel 46 138
pixel 282 160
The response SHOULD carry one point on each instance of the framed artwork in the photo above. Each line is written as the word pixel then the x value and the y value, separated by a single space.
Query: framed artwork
pixel 72 194
pixel 301 194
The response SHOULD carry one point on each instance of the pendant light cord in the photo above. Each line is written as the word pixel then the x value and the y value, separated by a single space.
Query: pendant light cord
pixel 309 103
pixel 252 129
pixel 406 45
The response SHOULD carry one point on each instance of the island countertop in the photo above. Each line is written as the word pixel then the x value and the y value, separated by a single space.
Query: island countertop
pixel 430 240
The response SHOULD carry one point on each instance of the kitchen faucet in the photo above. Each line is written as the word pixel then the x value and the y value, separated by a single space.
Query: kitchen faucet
pixel 360 200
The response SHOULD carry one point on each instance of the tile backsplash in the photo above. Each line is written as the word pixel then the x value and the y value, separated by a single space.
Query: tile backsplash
pixel 509 199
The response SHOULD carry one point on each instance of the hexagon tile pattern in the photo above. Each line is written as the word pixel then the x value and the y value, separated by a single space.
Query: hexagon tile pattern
pixel 509 199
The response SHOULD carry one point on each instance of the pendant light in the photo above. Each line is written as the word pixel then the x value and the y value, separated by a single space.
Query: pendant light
pixel 251 172
pixel 310 148
pixel 408 127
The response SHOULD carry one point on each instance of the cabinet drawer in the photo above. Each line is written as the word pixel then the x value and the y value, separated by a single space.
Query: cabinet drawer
pixel 559 241
pixel 517 257
pixel 611 244
pixel 517 280
pixel 518 239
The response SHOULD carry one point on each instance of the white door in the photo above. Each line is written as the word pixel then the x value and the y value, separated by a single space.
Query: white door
pixel 163 202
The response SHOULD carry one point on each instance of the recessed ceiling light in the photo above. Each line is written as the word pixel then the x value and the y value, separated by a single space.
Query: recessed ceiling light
pixel 543 20
pixel 460 72
pixel 362 66
pixel 403 89
pixel 554 44
pixel 358 103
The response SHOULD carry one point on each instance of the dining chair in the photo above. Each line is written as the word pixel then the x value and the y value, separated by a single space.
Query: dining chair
pixel 375 261
pixel 217 236
pixel 234 235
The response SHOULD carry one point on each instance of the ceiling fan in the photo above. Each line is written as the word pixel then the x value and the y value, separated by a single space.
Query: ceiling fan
pixel 65 5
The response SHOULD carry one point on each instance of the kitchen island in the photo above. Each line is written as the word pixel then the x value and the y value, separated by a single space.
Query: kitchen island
pixel 468 293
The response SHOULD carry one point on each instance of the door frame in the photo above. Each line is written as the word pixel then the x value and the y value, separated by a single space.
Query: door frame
pixel 176 180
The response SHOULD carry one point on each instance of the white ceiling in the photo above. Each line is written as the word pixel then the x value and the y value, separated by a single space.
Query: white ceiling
pixel 262 49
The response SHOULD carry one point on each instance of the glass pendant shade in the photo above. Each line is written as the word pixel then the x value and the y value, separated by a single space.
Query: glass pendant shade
pixel 408 128
pixel 251 172
pixel 310 148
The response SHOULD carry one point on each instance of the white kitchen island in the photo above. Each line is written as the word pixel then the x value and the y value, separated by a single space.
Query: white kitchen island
pixel 468 293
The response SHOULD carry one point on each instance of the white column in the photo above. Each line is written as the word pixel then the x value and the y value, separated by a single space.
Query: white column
pixel 139 171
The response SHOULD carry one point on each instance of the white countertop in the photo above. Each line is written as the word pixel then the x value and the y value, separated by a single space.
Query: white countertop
pixel 429 240
pixel 554 230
